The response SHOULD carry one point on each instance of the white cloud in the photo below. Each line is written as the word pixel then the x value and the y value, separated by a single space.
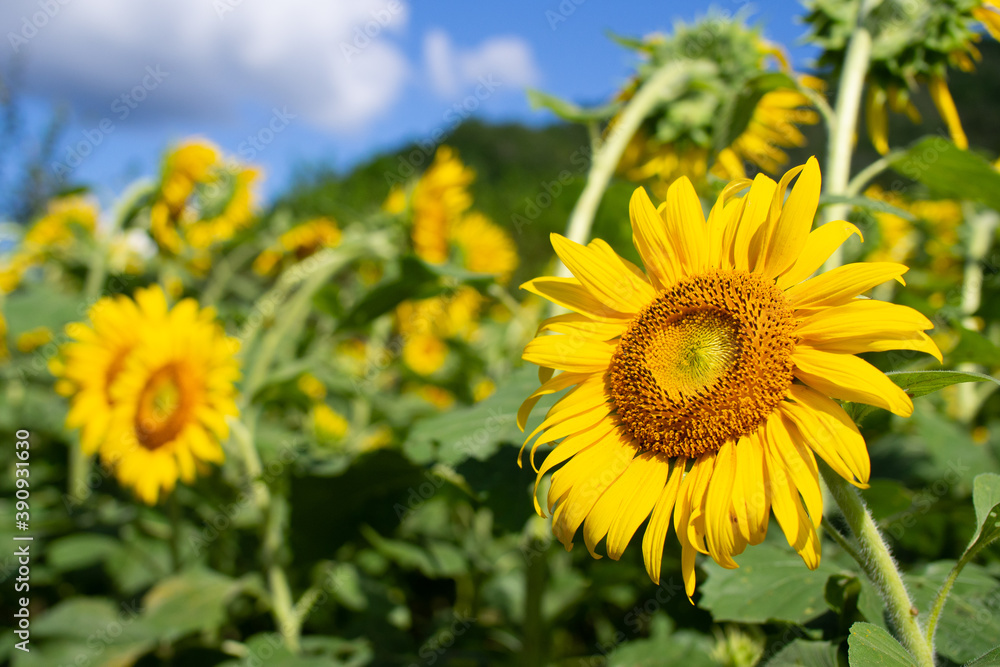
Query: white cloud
pixel 507 59
pixel 329 61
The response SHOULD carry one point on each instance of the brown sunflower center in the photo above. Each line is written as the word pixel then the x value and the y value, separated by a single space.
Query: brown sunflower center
pixel 166 406
pixel 705 362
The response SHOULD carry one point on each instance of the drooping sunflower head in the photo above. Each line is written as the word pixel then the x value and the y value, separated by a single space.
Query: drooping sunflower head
pixel 64 219
pixel 202 199
pixel 679 139
pixel 154 386
pixel 701 386
pixel 913 43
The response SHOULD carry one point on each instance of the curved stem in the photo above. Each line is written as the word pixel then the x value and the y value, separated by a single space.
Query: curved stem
pixel 842 542
pixel 878 565
pixel 841 145
pixel 870 172
pixel 942 595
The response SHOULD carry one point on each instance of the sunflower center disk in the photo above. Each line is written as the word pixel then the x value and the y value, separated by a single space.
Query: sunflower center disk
pixel 164 407
pixel 705 362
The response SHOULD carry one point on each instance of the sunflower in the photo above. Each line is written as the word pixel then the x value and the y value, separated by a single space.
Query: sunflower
pixel 201 200
pixel 154 386
pixel 484 247
pixel 913 43
pixel 439 198
pixel 680 139
pixel 701 388
pixel 299 242
pixel 92 362
pixel 443 229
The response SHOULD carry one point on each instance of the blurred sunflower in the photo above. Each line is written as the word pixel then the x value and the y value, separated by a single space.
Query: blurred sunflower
pixel 439 198
pixel 201 200
pixel 913 43
pixel 65 219
pixel 153 388
pixel 700 388
pixel 31 340
pixel 444 229
pixel 900 238
pixel 680 139
pixel 297 243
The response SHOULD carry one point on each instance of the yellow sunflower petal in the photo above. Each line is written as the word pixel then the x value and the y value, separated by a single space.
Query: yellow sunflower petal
pixel 562 353
pixel 608 280
pixel 718 522
pixel 649 235
pixel 685 223
pixel 570 293
pixel 829 432
pixel 946 107
pixel 820 244
pixel 550 386
pixel 849 378
pixel 791 230
pixel 644 480
pixel 839 286
pixel 659 522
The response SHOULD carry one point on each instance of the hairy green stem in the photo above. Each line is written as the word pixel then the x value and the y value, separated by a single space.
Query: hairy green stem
pixel 841 142
pixel 878 565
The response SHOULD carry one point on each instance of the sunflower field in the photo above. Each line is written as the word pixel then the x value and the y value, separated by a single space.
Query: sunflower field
pixel 737 329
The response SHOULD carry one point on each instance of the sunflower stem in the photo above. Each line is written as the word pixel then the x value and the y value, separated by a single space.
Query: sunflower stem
pixel 97 270
pixel 533 652
pixel 871 171
pixel 662 86
pixel 842 541
pixel 841 142
pixel 175 533
pixel 880 568
pixel 982 227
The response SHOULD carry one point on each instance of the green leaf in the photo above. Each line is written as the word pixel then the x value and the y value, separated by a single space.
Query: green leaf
pixel 478 430
pixel 191 601
pixel 772 583
pixel 804 653
pixel 736 115
pixel 871 645
pixel 988 659
pixel 569 111
pixel 986 498
pixel 663 647
pixel 417 279
pixel 75 552
pixel 919 383
pixel 950 172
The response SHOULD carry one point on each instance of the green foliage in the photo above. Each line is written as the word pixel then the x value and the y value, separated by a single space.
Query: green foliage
pixel 871 645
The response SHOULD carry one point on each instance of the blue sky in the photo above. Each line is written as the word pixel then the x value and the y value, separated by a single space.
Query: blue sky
pixel 300 82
